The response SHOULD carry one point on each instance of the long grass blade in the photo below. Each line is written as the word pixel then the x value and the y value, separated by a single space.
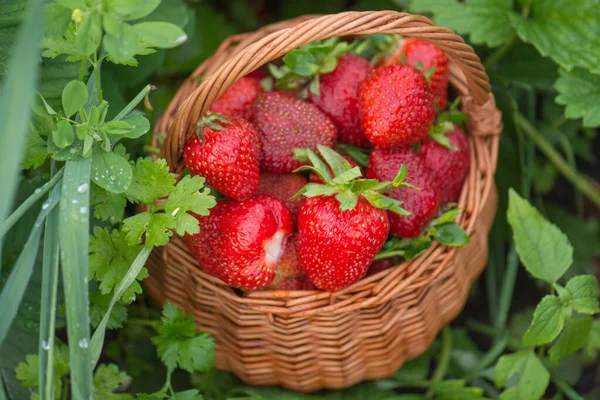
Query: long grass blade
pixel 132 273
pixel 133 103
pixel 15 99
pixel 74 243
pixel 14 288
pixel 48 305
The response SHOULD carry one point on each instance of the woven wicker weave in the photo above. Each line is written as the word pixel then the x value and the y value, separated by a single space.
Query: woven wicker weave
pixel 309 340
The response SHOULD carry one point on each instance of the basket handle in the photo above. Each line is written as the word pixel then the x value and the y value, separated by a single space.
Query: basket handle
pixel 478 101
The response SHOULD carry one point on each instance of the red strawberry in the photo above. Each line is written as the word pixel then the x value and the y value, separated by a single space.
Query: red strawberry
pixel 241 242
pixel 313 177
pixel 380 265
pixel 289 272
pixel 450 166
pixel 236 101
pixel 340 231
pixel 226 153
pixel 283 187
pixel 416 51
pixel 339 98
pixel 284 123
pixel 257 74
pixel 423 204
pixel 396 106
pixel 294 283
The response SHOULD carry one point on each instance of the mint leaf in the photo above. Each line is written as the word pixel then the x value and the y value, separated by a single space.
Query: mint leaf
pixel 548 320
pixel 579 91
pixel 110 258
pixel 531 376
pixel 486 21
pixel 156 228
pixel 544 250
pixel 107 206
pixel 456 390
pixel 99 306
pixel 107 379
pixel 111 171
pixel 179 344
pixel 581 293
pixel 151 181
pixel 566 31
pixel 573 338
pixel 450 234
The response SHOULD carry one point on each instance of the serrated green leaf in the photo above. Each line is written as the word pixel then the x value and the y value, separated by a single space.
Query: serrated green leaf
pixel 111 171
pixel 548 321
pixel 450 234
pixel 188 197
pixel 573 338
pixel 524 66
pixel 151 181
pixel 531 376
pixel 486 21
pixel 385 203
pixel 179 344
pixel 108 206
pixel 163 35
pixel 57 19
pixel 544 250
pixel 121 45
pixel 37 150
pixel 64 135
pixel 28 372
pixel 110 258
pixel 348 200
pixel 192 394
pixel 74 96
pixel 581 293
pixel 157 228
pixel 99 304
pixel 566 31
pixel 89 34
pixel 579 91
pixel 334 160
pixel 107 379
pixel 348 176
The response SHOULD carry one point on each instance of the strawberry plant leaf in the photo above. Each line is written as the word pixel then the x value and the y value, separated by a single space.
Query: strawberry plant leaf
pixel 579 91
pixel 155 227
pixel 581 293
pixel 107 379
pixel 110 258
pixel 548 321
pixel 524 66
pixel 486 21
pixel 99 305
pixel 532 378
pixel 151 181
pixel 544 250
pixel 179 344
pixel 456 390
pixel 450 234
pixel 111 171
pixel 573 338
pixel 568 32
pixel 160 34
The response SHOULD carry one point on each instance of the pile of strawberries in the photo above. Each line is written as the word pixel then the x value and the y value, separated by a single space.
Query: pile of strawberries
pixel 297 215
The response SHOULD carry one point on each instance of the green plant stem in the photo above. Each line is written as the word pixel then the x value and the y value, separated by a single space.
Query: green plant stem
pixel 566 389
pixel 388 254
pixel 490 356
pixel 133 103
pixel 26 205
pixel 82 69
pixel 97 74
pixel 442 366
pixel 499 53
pixel 153 323
pixel 506 293
pixel 488 330
pixel 580 182
pixel 151 150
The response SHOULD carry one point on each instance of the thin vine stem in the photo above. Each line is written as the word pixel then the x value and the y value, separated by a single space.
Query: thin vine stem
pixel 444 360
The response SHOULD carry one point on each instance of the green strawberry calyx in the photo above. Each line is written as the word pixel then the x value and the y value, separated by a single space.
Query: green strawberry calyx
pixel 377 46
pixel 346 182
pixel 215 121
pixel 445 123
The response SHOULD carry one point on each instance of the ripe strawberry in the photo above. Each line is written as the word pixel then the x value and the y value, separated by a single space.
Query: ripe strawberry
pixel 423 204
pixel 289 274
pixel 396 106
pixel 449 166
pixel 313 177
pixel 241 242
pixel 236 101
pixel 226 153
pixel 338 98
pixel 343 224
pixel 284 123
pixel 416 51
pixel 283 187
pixel 380 265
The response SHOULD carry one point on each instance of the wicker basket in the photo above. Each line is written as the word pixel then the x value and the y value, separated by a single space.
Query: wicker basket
pixel 310 340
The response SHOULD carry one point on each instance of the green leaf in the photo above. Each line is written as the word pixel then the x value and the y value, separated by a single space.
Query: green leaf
pixel 72 4
pixel 531 376
pixel 163 35
pixel 121 45
pixel 544 250
pixel 139 126
pixel 110 258
pixel 192 394
pixel 89 34
pixel 99 307
pixel 347 199
pixel 450 234
pixel 414 370
pixel 524 66
pixel 117 128
pixel 188 197
pixel 107 379
pixel 385 203
pixel 486 21
pixel 28 372
pixel 74 96
pixel 581 293
pixel 151 181
pixel 57 20
pixel 111 171
pixel 179 344
pixel 579 91
pixel 157 228
pixel 594 338
pixel 568 32
pixel 37 150
pixel 64 135
pixel 334 160
pixel 573 338
pixel 456 390
pixel 108 206
pixel 548 320
pixel 133 9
